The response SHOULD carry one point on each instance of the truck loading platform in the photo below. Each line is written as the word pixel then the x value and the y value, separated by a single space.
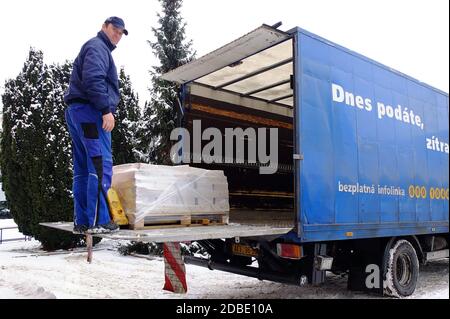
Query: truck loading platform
pixel 242 224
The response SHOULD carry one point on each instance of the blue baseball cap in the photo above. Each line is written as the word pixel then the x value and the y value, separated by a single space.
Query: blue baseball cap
pixel 117 22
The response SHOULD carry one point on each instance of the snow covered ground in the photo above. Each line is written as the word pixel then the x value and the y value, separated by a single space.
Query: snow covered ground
pixel 28 272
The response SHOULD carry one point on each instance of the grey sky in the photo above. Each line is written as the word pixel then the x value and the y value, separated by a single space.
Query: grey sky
pixel 411 36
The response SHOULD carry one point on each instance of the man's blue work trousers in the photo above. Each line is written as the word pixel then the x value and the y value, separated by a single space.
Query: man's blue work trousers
pixel 92 164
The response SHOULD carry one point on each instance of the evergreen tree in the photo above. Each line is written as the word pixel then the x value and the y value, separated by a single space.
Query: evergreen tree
pixel 161 114
pixel 127 118
pixel 35 156
pixel 21 97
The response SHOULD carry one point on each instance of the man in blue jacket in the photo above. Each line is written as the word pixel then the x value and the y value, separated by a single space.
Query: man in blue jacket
pixel 92 97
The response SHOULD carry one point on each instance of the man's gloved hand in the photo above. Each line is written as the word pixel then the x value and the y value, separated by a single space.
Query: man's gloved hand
pixel 108 122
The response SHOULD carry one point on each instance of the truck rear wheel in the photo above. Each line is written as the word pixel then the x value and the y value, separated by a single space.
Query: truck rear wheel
pixel 402 270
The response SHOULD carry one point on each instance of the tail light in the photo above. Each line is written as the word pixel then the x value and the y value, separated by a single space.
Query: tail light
pixel 290 251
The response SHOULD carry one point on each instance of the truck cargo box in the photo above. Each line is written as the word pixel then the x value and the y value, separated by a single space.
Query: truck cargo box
pixel 363 149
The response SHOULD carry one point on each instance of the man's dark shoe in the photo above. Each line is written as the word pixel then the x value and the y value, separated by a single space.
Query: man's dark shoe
pixel 103 229
pixel 111 226
pixel 80 229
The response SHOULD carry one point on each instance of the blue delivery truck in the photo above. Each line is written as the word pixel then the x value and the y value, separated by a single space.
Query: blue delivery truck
pixel 357 178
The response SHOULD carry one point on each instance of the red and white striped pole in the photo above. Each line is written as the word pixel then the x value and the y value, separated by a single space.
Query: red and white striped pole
pixel 174 269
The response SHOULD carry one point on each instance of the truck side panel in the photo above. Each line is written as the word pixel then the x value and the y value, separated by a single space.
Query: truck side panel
pixel 375 147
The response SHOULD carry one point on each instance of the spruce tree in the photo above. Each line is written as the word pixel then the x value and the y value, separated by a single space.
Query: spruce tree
pixel 35 156
pixel 161 115
pixel 127 118
pixel 20 124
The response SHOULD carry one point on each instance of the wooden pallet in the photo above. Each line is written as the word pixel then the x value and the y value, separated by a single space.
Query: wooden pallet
pixel 179 221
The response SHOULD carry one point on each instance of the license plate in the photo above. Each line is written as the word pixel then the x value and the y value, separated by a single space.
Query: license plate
pixel 244 250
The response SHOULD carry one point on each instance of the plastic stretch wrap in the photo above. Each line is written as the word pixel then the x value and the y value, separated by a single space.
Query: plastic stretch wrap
pixel 147 190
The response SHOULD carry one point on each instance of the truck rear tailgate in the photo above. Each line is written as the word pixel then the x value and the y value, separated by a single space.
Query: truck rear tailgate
pixel 184 234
